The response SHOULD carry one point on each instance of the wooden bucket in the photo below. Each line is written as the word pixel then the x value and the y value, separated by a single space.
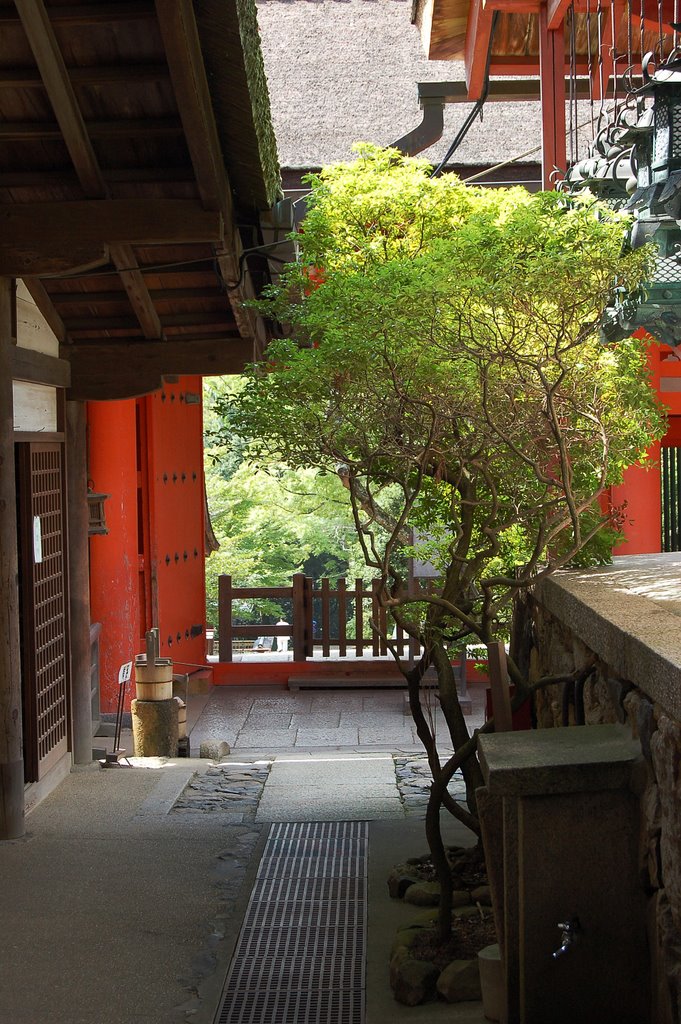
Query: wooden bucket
pixel 153 682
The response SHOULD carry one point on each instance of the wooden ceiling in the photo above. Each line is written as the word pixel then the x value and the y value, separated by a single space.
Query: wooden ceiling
pixel 131 186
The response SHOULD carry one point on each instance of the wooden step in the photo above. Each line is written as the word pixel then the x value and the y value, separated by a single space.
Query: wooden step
pixel 314 681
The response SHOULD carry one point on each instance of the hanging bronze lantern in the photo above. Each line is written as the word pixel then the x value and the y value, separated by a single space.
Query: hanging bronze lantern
pixel 656 202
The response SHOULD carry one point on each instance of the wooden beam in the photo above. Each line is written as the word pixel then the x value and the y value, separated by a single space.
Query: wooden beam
pixel 513 6
pixel 26 131
pixel 48 57
pixel 219 319
pixel 109 371
pixel 123 256
pixel 36 290
pixel 28 259
pixel 85 14
pixel 40 368
pixel 59 226
pixel 182 45
pixel 112 297
pixel 30 77
pixel 552 58
pixel 555 13
pixel 476 46
pixel 11 742
pixel 77 521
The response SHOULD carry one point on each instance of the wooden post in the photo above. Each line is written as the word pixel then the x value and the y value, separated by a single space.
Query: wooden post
pixel 359 618
pixel 375 619
pixel 309 627
pixel 11 760
pixel 79 582
pixel 326 619
pixel 552 78
pixel 225 617
pixel 298 602
pixel 501 697
pixel 342 614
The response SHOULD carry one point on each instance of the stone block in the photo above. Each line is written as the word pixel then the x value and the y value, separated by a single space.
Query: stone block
pixel 415 982
pixel 214 749
pixel 460 982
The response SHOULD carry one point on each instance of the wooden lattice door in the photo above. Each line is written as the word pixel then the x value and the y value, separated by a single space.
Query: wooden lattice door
pixel 44 605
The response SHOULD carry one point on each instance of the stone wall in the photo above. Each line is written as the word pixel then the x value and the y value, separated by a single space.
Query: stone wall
pixel 611 697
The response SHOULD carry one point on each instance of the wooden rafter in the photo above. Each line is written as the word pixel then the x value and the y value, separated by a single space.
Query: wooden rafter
pixel 53 72
pixel 478 35
pixel 180 35
pixel 48 57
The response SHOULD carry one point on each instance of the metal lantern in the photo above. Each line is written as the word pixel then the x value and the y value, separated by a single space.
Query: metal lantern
pixel 97 518
pixel 656 203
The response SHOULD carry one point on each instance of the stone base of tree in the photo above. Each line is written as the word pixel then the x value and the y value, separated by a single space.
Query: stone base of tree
pixel 419 970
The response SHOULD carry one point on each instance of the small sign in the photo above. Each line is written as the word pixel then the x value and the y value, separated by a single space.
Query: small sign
pixel 124 673
pixel 37 540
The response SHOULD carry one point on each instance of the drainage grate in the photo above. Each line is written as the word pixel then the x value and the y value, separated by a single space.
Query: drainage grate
pixel 301 952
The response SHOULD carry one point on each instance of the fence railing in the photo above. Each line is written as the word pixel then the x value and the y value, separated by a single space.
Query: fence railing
pixel 320 616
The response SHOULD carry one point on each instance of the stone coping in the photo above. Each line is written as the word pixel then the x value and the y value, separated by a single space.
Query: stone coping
pixel 544 761
pixel 629 614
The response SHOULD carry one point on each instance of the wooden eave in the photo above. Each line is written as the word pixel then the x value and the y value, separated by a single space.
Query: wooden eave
pixel 119 152
pixel 460 30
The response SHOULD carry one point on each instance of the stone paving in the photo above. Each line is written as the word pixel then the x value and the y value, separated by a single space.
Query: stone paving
pixel 233 790
pixel 270 720
pixel 335 787
pixel 413 782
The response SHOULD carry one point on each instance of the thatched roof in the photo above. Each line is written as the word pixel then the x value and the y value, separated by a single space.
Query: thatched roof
pixel 340 71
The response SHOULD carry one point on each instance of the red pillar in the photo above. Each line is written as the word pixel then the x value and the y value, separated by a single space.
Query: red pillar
pixel 114 557
pixel 552 78
pixel 643 514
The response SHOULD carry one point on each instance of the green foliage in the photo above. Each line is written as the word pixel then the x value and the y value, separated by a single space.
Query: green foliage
pixel 271 521
pixel 445 348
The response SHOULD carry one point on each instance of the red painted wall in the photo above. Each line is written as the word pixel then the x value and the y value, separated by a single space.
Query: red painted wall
pixel 149 569
pixel 641 488
pixel 114 594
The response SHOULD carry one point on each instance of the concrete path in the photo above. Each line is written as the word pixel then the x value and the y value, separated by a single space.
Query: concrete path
pixel 124 900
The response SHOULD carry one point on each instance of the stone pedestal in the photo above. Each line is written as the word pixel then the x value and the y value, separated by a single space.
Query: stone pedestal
pixel 154 727
pixel 561 801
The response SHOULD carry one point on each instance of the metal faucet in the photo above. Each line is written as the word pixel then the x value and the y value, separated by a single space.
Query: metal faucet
pixel 570 932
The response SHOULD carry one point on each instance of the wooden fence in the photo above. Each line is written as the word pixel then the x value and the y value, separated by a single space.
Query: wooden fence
pixel 312 611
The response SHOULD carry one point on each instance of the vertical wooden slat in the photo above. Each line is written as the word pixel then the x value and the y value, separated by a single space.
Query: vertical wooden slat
pixel 225 617
pixel 342 617
pixel 326 619
pixel 359 618
pixel 309 627
pixel 375 619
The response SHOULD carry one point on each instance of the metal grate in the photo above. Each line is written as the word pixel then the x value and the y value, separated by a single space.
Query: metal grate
pixel 301 952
